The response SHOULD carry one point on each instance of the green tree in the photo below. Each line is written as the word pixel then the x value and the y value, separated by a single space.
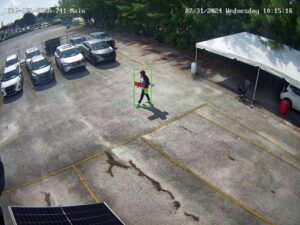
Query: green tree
pixel 28 19
pixel 167 21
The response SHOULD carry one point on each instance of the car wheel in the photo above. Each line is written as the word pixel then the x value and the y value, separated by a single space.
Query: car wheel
pixel 63 71
pixel 61 68
pixel 93 61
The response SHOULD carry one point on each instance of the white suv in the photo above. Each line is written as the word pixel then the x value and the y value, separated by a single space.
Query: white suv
pixel 12 80
pixel 292 94
pixel 68 57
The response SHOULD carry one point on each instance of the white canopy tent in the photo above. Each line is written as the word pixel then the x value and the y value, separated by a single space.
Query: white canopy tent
pixel 283 62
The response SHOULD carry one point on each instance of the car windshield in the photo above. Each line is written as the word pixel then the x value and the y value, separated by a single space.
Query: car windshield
pixel 295 90
pixel 101 36
pixel 10 75
pixel 70 52
pixel 31 54
pixel 11 62
pixel 39 64
pixel 99 45
pixel 79 40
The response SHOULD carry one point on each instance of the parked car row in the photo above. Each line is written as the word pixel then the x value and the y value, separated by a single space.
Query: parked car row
pixel 99 48
pixel 101 36
pixel 39 69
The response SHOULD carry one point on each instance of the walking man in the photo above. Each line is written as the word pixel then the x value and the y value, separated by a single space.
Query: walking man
pixel 144 84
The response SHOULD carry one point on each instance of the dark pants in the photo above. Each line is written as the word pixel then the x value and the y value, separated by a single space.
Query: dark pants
pixel 142 96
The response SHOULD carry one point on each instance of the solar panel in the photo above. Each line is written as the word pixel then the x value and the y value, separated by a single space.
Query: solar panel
pixel 93 214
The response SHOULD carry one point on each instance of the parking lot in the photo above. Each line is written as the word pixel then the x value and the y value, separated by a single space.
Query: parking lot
pixel 198 156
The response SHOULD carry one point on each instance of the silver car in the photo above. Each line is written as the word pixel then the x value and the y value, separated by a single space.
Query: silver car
pixel 68 57
pixel 97 51
pixel 77 41
pixel 103 37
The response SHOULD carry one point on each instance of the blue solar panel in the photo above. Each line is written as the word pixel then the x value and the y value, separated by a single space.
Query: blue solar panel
pixel 93 214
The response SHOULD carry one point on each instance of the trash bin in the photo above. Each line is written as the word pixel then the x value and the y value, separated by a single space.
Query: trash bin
pixel 193 68
pixel 51 45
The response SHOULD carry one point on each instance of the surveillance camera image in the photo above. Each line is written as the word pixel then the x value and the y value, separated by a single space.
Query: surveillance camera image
pixel 135 112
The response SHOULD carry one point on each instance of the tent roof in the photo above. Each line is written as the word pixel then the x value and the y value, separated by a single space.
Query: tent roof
pixel 283 62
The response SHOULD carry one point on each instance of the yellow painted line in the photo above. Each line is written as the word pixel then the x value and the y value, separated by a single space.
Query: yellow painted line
pixel 85 184
pixel 253 130
pixel 258 147
pixel 213 187
pixel 99 154
pixel 37 179
pixel 161 125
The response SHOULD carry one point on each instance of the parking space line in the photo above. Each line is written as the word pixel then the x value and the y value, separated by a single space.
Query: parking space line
pixel 101 153
pixel 181 165
pixel 257 146
pixel 85 184
pixel 39 179
pixel 251 129
pixel 163 124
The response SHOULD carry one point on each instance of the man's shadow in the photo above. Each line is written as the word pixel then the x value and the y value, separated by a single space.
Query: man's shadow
pixel 157 113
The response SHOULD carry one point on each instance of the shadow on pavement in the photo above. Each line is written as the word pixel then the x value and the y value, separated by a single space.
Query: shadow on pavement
pixel 46 86
pixel 157 113
pixel 12 98
pixel 106 65
pixel 76 74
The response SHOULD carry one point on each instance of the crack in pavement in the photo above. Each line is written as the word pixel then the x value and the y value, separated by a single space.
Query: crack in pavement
pixel 230 157
pixel 176 204
pixel 187 129
pixel 195 218
pixel 112 162
pixel 47 198
pixel 155 183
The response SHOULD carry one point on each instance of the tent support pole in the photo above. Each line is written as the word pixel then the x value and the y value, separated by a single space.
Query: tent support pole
pixel 256 82
pixel 196 59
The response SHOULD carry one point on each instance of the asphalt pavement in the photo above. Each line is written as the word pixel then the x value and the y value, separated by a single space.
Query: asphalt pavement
pixel 199 156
